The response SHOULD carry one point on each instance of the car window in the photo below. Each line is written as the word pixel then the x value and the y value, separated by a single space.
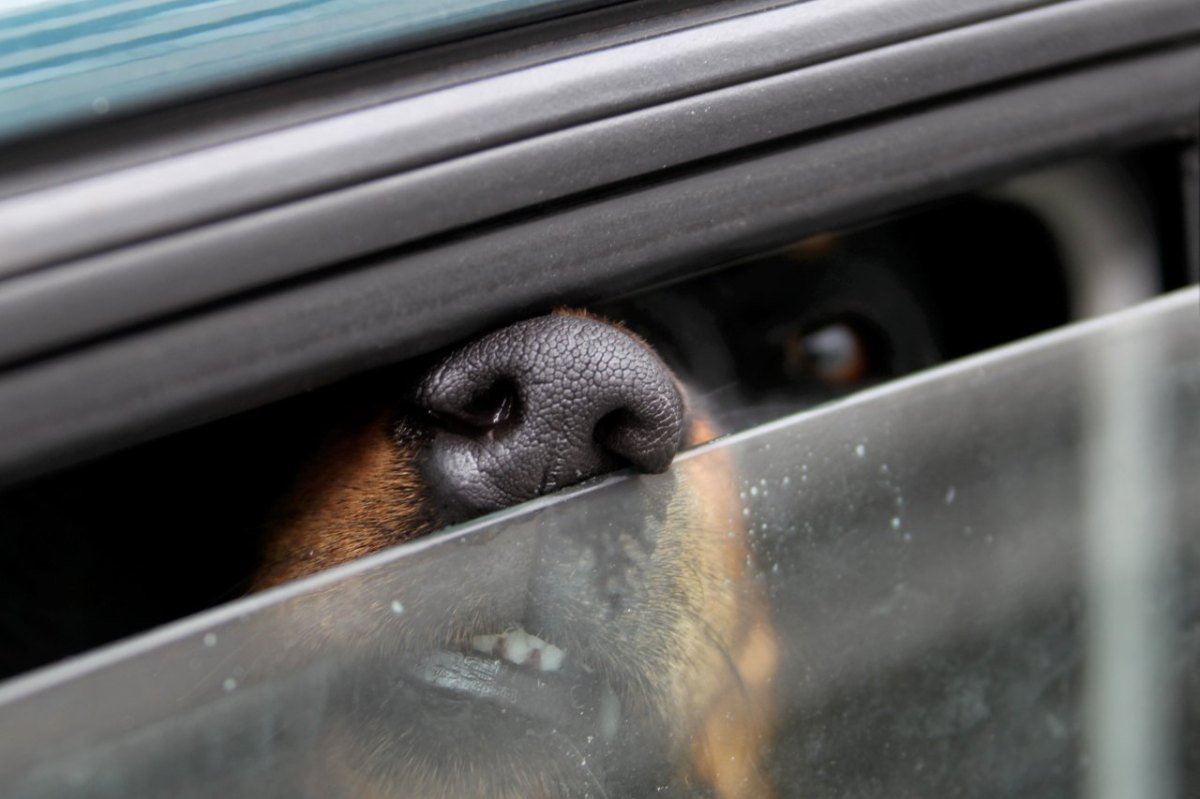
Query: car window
pixel 928 587
pixel 932 588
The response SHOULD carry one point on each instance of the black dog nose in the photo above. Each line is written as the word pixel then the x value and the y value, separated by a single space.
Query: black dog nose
pixel 544 404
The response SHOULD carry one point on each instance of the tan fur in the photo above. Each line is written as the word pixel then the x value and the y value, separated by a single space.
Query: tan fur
pixel 729 743
pixel 360 495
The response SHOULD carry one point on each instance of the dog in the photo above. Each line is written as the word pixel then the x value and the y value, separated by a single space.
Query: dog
pixel 656 631
pixel 669 637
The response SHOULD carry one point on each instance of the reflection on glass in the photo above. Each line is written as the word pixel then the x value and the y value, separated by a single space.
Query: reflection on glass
pixel 73 61
pixel 885 597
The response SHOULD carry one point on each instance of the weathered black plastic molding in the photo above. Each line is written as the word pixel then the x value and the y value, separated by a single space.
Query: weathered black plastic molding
pixel 307 159
pixel 441 184
pixel 138 386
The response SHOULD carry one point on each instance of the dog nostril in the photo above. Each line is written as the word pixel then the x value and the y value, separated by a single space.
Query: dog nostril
pixel 617 433
pixel 608 430
pixel 487 412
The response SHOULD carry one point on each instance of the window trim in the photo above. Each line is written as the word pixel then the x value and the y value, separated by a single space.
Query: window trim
pixel 270 345
pixel 306 160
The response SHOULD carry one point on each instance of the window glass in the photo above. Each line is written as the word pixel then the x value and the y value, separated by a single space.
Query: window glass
pixel 980 580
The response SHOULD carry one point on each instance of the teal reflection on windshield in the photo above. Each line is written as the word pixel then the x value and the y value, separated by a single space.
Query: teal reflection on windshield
pixel 64 62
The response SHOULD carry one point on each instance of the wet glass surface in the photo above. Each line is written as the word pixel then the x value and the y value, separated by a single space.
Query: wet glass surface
pixel 978 581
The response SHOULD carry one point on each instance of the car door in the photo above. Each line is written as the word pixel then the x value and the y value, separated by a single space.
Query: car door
pixel 932 595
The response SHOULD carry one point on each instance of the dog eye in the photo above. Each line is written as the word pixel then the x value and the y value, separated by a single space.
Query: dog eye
pixel 843 352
